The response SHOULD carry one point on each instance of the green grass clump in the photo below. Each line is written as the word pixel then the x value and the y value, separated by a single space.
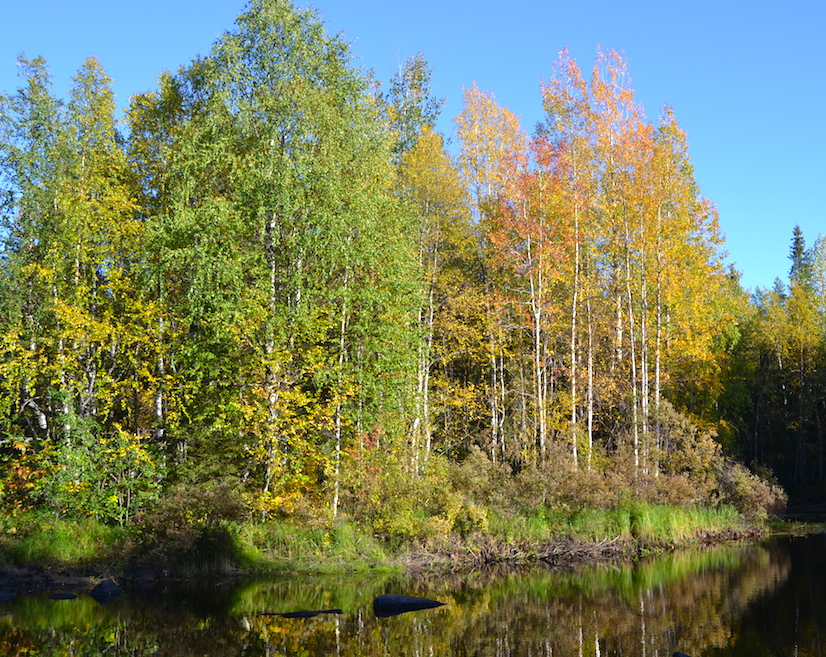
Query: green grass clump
pixel 286 545
pixel 50 542
pixel 648 524
pixel 652 524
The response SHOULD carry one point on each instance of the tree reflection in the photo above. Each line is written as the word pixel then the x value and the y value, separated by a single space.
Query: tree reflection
pixel 755 600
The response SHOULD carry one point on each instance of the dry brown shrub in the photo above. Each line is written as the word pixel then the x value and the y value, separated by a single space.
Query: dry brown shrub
pixel 752 495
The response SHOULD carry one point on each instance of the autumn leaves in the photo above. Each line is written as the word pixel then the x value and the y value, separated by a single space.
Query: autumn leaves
pixel 603 264
pixel 280 275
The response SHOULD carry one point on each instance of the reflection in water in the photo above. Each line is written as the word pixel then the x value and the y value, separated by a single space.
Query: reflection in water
pixel 763 599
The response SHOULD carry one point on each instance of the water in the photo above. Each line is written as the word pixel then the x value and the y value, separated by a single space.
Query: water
pixel 759 599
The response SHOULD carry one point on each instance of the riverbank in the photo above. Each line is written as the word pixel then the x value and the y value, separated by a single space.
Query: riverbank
pixel 38 554
pixel 563 554
pixel 460 558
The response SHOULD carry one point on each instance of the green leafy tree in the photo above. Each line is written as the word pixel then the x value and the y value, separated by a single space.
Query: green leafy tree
pixel 297 275
pixel 31 127
pixel 77 357
pixel 411 105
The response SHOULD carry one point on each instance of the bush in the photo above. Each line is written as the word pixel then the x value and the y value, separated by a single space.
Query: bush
pixel 471 519
pixel 198 523
pixel 104 476
pixel 688 452
pixel 750 494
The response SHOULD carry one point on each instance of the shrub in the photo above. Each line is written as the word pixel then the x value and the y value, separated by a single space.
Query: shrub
pixel 687 451
pixel 471 519
pixel 192 523
pixel 105 476
pixel 749 493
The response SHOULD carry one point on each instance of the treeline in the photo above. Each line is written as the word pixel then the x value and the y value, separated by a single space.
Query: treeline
pixel 774 400
pixel 275 278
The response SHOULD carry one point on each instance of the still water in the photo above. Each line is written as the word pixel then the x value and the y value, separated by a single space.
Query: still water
pixel 764 599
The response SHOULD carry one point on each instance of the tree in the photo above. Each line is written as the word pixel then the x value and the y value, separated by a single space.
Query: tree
pixel 490 140
pixel 283 226
pixel 568 125
pixel 31 122
pixel 74 257
pixel 529 233
pixel 431 183
pixel 411 105
pixel 801 266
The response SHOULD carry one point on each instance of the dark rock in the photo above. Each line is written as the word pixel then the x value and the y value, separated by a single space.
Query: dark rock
pixel 106 587
pixel 141 579
pixel 393 605
pixel 679 654
pixel 105 592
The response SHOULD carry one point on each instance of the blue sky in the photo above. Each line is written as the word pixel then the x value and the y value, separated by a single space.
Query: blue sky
pixel 747 80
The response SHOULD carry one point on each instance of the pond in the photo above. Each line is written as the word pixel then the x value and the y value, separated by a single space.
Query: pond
pixel 766 598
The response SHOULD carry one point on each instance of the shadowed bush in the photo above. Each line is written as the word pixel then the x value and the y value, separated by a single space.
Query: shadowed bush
pixel 192 525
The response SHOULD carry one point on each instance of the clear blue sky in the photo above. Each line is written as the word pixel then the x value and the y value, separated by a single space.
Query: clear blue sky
pixel 747 80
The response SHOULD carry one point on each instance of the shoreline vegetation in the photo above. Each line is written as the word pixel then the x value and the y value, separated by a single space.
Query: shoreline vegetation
pixel 42 554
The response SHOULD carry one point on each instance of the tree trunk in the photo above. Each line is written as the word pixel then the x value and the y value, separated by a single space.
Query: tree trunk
pixel 590 391
pixel 574 304
pixel 340 385
pixel 658 341
pixel 632 351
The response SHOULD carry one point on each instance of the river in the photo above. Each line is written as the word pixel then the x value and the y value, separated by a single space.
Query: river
pixel 766 598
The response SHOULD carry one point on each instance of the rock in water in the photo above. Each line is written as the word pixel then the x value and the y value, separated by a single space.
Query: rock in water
pixel 393 605
pixel 105 592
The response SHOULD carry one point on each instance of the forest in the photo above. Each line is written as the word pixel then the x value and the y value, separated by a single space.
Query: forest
pixel 274 289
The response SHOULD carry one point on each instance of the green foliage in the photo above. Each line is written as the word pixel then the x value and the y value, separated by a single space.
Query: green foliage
pixel 411 104
pixel 91 475
pixel 773 400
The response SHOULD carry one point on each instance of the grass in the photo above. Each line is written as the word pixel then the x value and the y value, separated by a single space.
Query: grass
pixel 284 545
pixel 49 542
pixel 675 525
pixel 647 524
pixel 343 546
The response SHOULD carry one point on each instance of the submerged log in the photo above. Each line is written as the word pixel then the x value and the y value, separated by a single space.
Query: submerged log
pixel 62 596
pixel 393 605
pixel 302 614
